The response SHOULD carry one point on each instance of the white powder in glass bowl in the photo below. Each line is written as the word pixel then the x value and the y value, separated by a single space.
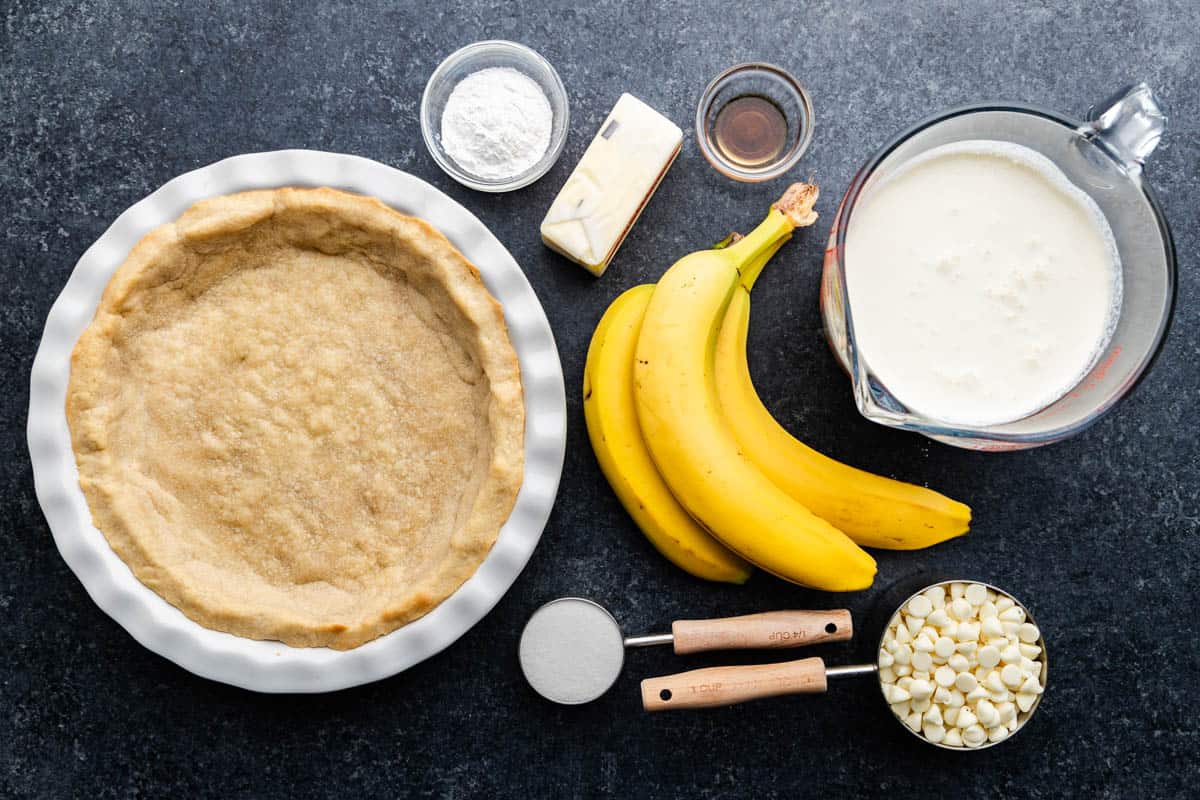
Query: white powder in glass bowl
pixel 497 123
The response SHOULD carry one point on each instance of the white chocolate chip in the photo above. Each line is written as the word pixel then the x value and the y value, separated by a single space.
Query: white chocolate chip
pixel 944 677
pixel 965 682
pixel 934 733
pixel 1003 602
pixel 997 734
pixel 1028 633
pixel 989 656
pixel 976 594
pixel 966 718
pixel 960 609
pixel 913 721
pixel 953 738
pixel 1012 676
pixel 922 661
pixel 1025 701
pixel 920 606
pixel 1029 650
pixel 974 736
pixel 1012 614
pixel 988 715
pixel 939 618
pixel 944 647
pixel 921 705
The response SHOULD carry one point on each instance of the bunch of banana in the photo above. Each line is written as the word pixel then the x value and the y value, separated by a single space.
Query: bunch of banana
pixel 693 454
pixel 616 436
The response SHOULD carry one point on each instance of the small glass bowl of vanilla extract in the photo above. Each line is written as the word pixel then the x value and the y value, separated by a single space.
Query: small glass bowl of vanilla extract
pixel 753 122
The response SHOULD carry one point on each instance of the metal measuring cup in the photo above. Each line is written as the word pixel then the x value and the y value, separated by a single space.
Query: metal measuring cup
pixel 572 649
pixel 722 686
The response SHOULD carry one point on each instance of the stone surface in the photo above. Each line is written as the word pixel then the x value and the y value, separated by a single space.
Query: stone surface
pixel 103 102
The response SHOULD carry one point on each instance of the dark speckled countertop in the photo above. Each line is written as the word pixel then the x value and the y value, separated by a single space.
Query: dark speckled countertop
pixel 100 103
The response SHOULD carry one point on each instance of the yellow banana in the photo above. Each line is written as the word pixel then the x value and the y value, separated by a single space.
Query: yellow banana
pixel 617 440
pixel 687 433
pixel 872 510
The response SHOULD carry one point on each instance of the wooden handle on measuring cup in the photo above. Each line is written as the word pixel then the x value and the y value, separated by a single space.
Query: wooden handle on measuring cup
pixel 725 686
pixel 769 631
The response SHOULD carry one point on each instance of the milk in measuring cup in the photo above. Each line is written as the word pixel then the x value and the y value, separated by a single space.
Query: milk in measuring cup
pixel 983 284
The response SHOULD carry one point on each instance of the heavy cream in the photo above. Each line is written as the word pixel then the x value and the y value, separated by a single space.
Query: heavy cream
pixel 983 284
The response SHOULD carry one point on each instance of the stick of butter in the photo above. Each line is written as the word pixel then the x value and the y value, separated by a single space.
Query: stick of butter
pixel 611 184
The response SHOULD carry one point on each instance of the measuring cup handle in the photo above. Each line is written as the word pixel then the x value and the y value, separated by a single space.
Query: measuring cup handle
pixel 773 630
pixel 725 686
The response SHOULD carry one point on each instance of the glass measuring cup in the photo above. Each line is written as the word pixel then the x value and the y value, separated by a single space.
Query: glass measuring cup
pixel 1102 156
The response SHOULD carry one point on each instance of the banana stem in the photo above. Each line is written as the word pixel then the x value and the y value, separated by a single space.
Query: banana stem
pixel 793 210
pixel 753 252
pixel 752 270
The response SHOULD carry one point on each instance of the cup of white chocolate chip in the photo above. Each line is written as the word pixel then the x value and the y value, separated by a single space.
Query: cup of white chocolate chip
pixel 962 665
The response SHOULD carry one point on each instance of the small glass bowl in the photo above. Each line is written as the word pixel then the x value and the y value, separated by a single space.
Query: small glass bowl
pixel 771 83
pixel 471 59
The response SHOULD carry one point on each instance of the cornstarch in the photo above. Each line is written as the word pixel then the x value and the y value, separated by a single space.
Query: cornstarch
pixel 496 123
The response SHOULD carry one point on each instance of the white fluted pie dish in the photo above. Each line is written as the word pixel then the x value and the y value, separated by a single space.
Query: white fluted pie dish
pixel 272 666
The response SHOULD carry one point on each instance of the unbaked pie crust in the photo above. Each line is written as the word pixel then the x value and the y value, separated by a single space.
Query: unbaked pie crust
pixel 297 416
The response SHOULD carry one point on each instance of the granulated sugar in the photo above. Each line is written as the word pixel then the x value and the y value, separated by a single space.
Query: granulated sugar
pixel 571 651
